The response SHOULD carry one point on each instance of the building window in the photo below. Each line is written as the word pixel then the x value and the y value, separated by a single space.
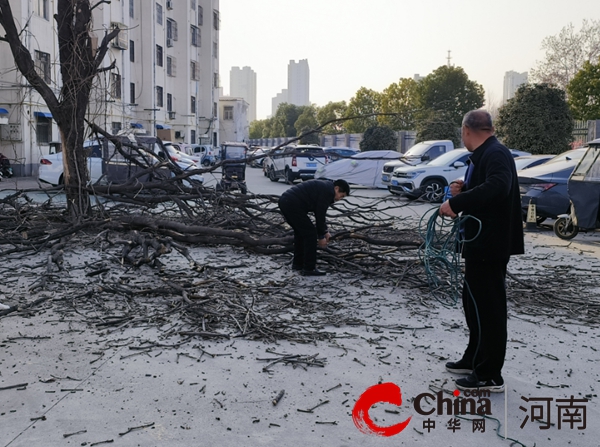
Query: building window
pixel 42 65
pixel 215 110
pixel 194 71
pixel 159 96
pixel 159 55
pixel 159 14
pixel 131 8
pixel 193 104
pixel 116 85
pixel 41 8
pixel 171 32
pixel 192 137
pixel 116 127
pixel 195 35
pixel 193 4
pixel 131 51
pixel 132 92
pixel 228 113
pixel 216 20
pixel 169 102
pixel 216 80
pixel 43 129
pixel 215 49
pixel 171 65
pixel 200 16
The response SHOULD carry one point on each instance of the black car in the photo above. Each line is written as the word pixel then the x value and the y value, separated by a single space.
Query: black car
pixel 546 185
pixel 336 153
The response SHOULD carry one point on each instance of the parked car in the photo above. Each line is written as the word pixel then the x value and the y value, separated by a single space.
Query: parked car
pixel 204 152
pixel 420 153
pixel 335 153
pixel 430 180
pixel 546 184
pixel 51 166
pixel 294 162
pixel 531 161
pixel 177 154
pixel 257 151
pixel 516 153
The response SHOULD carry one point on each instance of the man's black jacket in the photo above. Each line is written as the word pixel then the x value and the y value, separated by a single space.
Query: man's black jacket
pixel 492 196
pixel 311 196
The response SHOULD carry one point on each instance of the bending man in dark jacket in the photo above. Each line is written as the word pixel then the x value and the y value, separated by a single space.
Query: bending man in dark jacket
pixel 295 204
pixel 490 193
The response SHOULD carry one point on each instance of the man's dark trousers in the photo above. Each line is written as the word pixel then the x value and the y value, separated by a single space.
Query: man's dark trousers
pixel 305 235
pixel 484 302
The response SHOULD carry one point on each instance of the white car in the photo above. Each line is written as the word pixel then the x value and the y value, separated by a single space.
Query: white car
pixel 177 155
pixel 430 180
pixel 51 166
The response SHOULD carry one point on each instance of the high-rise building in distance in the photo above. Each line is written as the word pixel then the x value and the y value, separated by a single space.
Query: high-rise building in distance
pixel 242 84
pixel 299 83
pixel 512 81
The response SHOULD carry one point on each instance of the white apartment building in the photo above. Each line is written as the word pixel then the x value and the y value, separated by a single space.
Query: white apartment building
pixel 242 84
pixel 234 125
pixel 512 81
pixel 165 81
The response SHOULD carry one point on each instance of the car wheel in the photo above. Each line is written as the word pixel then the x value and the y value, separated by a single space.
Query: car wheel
pixel 289 177
pixel 433 191
pixel 205 163
pixel 564 228
pixel 61 180
pixel 272 175
pixel 539 219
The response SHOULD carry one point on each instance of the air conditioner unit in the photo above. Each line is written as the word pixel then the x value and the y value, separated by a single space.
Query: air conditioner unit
pixel 169 42
pixel 169 4
pixel 121 41
pixel 171 115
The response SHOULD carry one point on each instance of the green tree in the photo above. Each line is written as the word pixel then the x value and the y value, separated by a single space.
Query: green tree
pixel 448 94
pixel 379 138
pixel 306 122
pixel 537 120
pixel 566 53
pixel 400 98
pixel 365 102
pixel 257 128
pixel 438 126
pixel 285 119
pixel 332 111
pixel 584 92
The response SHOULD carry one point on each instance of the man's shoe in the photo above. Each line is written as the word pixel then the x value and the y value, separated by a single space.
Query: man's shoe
pixel 314 272
pixel 296 267
pixel 471 383
pixel 460 367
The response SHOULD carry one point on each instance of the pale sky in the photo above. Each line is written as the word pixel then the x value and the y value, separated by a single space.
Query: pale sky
pixel 372 43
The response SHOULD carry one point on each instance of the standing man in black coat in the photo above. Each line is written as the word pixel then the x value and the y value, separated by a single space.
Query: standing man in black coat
pixel 312 196
pixel 489 193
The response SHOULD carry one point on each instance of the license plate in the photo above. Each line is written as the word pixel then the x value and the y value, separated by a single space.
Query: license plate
pixel 311 165
pixel 385 178
pixel 395 182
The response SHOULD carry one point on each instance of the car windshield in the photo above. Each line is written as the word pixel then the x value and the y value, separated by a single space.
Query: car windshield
pixel 446 158
pixel 417 150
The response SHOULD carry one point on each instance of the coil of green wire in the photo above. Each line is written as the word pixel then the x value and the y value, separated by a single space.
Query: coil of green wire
pixel 440 254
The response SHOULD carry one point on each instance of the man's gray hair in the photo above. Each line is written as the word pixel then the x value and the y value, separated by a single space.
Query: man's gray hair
pixel 478 120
